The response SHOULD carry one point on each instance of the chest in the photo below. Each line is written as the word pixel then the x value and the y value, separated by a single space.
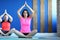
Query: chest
pixel 6 23
pixel 26 21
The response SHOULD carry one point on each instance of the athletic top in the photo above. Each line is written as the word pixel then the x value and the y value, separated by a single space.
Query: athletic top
pixel 5 25
pixel 25 25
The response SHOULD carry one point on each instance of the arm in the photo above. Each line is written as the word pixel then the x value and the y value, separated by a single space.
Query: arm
pixel 20 11
pixel 30 9
pixel 1 17
pixel 11 19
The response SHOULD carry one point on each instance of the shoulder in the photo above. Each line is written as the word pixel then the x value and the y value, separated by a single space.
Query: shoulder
pixel 29 18
pixel 21 17
pixel 8 21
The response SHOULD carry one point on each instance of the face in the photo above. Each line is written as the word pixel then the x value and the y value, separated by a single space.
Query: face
pixel 25 14
pixel 6 17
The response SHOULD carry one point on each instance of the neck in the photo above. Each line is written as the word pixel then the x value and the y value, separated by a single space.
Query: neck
pixel 5 20
pixel 25 17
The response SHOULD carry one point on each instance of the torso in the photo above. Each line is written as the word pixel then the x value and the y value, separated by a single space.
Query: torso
pixel 25 25
pixel 5 25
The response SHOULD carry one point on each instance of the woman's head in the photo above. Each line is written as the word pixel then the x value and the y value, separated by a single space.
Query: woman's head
pixel 25 13
pixel 5 17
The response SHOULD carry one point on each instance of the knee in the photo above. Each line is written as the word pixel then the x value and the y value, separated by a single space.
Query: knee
pixel 35 30
pixel 13 29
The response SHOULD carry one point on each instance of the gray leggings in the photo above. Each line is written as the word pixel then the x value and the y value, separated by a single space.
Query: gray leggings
pixel 19 34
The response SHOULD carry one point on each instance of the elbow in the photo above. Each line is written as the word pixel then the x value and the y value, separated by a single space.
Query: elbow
pixel 33 11
pixel 17 11
pixel 11 20
pixel 0 20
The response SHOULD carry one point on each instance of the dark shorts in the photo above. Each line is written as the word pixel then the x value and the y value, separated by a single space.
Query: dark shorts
pixel 25 33
pixel 5 32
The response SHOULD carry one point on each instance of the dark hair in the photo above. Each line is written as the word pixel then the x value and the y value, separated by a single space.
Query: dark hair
pixel 27 13
pixel 5 14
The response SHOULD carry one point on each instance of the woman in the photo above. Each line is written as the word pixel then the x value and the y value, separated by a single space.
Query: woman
pixel 25 20
pixel 5 23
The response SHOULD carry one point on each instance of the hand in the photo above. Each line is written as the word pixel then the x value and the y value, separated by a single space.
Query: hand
pixel 5 11
pixel 25 3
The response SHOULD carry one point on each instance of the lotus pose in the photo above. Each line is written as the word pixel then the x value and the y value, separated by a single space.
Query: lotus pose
pixel 25 20
pixel 5 22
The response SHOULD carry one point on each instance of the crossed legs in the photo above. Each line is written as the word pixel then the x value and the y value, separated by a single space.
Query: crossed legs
pixel 19 34
pixel 22 35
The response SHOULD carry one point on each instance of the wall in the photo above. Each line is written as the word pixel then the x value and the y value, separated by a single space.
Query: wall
pixel 44 19
pixel 58 17
pixel 47 16
pixel 12 6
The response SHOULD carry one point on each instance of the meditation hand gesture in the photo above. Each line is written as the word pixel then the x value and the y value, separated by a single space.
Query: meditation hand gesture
pixel 5 11
pixel 25 3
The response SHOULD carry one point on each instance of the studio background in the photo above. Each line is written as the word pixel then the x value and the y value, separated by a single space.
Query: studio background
pixel 45 13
